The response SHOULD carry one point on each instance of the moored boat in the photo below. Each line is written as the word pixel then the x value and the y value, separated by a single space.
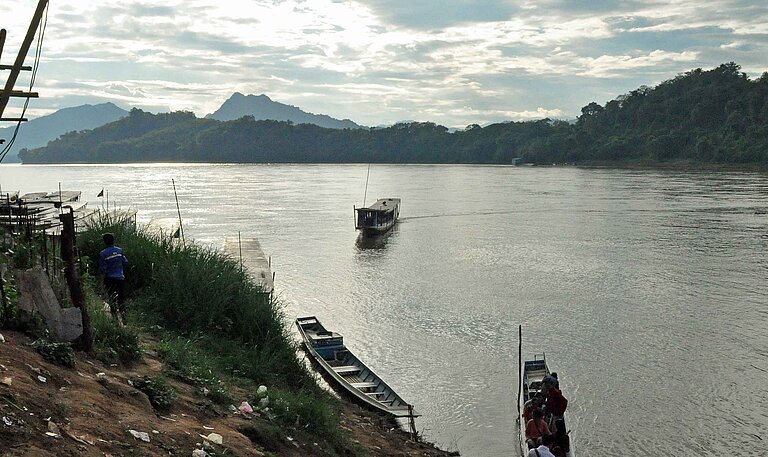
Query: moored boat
pixel 348 372
pixel 533 382
pixel 377 218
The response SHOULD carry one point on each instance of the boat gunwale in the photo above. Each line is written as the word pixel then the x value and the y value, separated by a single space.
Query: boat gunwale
pixel 357 393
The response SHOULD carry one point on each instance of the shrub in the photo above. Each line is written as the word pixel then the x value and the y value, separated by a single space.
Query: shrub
pixel 161 395
pixel 60 353
pixel 190 362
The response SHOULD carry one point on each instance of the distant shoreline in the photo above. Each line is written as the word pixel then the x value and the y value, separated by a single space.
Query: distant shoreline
pixel 670 166
pixel 679 166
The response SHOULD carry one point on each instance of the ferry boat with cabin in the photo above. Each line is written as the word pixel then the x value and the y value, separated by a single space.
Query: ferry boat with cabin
pixel 377 218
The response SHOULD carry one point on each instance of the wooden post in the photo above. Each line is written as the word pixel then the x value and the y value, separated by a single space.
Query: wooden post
pixel 73 277
pixel 412 422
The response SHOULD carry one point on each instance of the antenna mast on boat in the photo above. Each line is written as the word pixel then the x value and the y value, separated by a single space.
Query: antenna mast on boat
pixel 7 92
pixel 519 365
pixel 365 195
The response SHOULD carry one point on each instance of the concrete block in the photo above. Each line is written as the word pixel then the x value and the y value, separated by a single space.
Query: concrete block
pixel 37 297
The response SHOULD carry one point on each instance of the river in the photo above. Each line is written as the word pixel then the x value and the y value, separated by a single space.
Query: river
pixel 647 290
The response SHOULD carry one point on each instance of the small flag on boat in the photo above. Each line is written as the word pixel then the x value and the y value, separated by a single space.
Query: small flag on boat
pixel 101 194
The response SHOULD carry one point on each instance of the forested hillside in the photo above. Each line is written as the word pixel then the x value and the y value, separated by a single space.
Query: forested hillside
pixel 714 116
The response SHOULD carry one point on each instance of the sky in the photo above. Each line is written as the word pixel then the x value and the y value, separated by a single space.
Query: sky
pixel 377 62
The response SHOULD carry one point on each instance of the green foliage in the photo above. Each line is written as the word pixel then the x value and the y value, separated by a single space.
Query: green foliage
pixel 301 409
pixel 9 310
pixel 715 116
pixel 268 435
pixel 303 413
pixel 113 342
pixel 60 353
pixel 161 395
pixel 193 364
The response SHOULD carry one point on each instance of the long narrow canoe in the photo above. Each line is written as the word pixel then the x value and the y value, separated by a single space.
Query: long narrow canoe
pixel 348 372
pixel 534 372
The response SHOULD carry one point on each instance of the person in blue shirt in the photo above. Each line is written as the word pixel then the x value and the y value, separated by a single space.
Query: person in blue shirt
pixel 112 262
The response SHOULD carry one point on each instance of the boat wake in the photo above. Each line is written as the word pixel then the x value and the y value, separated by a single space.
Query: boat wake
pixel 477 213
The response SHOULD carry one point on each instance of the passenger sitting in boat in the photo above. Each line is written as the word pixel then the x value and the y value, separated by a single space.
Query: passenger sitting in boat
pixel 535 402
pixel 535 428
pixel 551 380
pixel 556 404
pixel 544 448
pixel 561 439
pixel 557 451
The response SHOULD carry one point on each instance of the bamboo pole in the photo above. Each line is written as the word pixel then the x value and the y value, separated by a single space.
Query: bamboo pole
pixel 176 196
pixel 365 195
pixel 2 41
pixel 520 436
pixel 240 247
pixel 33 25
pixel 519 366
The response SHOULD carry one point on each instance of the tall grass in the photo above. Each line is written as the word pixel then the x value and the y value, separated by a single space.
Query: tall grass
pixel 197 291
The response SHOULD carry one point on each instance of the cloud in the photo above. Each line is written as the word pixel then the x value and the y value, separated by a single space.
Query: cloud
pixel 431 14
pixel 377 61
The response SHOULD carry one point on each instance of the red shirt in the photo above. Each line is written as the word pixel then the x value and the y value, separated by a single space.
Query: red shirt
pixel 528 408
pixel 534 429
pixel 556 403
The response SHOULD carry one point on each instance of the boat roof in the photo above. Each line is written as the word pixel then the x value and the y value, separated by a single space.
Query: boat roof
pixel 382 204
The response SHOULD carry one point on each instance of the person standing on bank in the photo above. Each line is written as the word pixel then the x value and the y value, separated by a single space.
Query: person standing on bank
pixel 112 262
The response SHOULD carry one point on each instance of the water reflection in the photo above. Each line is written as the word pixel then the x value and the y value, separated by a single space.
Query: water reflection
pixel 375 242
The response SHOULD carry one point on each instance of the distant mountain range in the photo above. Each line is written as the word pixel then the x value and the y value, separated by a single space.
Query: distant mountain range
pixel 712 117
pixel 38 132
pixel 262 107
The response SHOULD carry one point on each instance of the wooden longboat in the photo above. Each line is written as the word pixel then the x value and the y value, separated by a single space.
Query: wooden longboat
pixel 348 372
pixel 533 374
pixel 377 218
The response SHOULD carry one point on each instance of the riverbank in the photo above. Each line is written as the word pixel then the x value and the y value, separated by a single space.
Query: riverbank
pixel 682 166
pixel 95 409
